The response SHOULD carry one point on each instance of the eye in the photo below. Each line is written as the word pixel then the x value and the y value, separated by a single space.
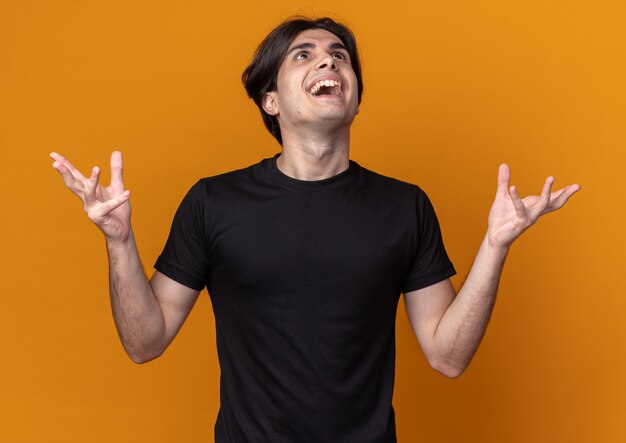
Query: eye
pixel 339 55
pixel 302 55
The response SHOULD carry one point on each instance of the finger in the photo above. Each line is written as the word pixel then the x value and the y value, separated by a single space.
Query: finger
pixel 101 210
pixel 90 187
pixel 563 196
pixel 66 175
pixel 63 161
pixel 555 195
pixel 520 209
pixel 544 201
pixel 504 177
pixel 117 170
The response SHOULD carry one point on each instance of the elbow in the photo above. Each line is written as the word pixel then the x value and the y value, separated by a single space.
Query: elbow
pixel 141 358
pixel 449 370
pixel 141 352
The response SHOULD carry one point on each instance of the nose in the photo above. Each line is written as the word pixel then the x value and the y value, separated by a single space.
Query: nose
pixel 327 62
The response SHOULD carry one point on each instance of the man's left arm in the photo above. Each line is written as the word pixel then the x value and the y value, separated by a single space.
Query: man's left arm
pixel 450 327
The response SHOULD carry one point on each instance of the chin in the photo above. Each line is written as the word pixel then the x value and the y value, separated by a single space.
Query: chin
pixel 331 123
pixel 336 113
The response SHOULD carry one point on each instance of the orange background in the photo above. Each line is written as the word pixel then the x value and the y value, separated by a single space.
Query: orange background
pixel 451 90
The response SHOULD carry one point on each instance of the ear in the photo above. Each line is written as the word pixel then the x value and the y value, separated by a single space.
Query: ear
pixel 270 104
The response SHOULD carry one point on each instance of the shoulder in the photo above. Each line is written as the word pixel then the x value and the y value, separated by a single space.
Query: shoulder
pixel 231 180
pixel 231 192
pixel 390 185
pixel 234 176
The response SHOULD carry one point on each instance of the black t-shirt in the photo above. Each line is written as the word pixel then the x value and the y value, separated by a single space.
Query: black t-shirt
pixel 304 278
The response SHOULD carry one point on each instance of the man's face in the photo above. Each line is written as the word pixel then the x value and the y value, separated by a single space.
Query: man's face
pixel 315 84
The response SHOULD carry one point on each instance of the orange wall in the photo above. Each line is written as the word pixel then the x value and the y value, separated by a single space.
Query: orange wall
pixel 451 90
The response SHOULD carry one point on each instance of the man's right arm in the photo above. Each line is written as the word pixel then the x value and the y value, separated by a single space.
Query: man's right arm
pixel 147 314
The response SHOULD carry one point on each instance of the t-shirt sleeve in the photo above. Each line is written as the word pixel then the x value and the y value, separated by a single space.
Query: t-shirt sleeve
pixel 430 261
pixel 184 257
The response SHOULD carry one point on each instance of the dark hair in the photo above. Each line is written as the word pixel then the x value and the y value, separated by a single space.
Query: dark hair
pixel 260 75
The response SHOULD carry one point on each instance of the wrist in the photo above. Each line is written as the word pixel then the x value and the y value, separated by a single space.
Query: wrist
pixel 120 242
pixel 495 248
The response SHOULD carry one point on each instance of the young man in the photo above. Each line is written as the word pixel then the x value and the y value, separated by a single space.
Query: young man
pixel 304 256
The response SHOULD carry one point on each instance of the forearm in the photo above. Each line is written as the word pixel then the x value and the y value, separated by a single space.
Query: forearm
pixel 460 324
pixel 137 314
pixel 464 322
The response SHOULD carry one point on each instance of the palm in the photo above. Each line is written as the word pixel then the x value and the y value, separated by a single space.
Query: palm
pixel 118 218
pixel 510 215
pixel 107 207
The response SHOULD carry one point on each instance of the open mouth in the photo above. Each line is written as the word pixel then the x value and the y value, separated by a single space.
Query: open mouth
pixel 326 87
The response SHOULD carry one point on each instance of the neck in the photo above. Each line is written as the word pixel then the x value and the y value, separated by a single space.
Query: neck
pixel 315 157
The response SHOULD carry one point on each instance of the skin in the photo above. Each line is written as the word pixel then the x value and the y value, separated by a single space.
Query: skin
pixel 315 129
pixel 147 314
pixel 316 140
pixel 450 326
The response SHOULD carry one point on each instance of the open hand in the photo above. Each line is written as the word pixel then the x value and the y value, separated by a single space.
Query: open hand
pixel 107 207
pixel 510 215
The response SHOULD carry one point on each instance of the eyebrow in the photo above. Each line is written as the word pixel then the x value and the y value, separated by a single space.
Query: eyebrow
pixel 308 45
